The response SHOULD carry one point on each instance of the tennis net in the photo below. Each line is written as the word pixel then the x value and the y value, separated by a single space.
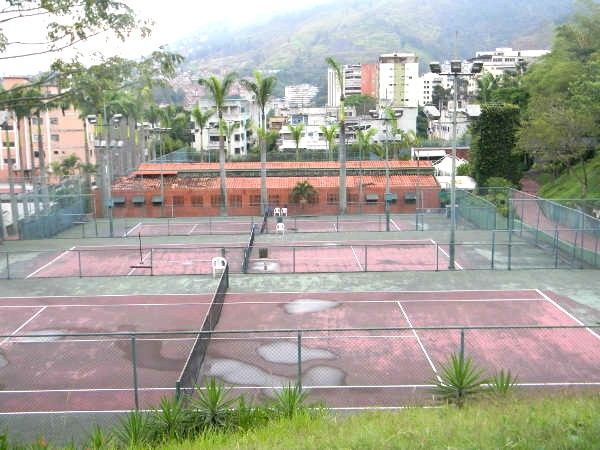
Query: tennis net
pixel 248 249
pixel 190 374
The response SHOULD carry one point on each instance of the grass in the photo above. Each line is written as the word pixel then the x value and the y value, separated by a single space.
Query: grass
pixel 567 185
pixel 549 423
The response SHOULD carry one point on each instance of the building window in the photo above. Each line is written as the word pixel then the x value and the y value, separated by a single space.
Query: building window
pixel 332 198
pixel 197 201
pixel 215 201
pixel 178 200
pixel 53 120
pixel 254 200
pixel 214 139
pixel 54 137
pixel 235 201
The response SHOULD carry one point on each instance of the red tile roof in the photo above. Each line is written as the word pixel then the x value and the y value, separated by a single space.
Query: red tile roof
pixel 196 183
pixel 174 167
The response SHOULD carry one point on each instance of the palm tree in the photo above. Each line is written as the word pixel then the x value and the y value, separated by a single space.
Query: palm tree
pixel 329 134
pixel 364 141
pixel 296 136
pixel 227 128
pixel 486 84
pixel 303 192
pixel 262 88
pixel 218 90
pixel 201 119
pixel 337 68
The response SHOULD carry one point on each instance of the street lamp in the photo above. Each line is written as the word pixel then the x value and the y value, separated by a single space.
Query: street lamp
pixel 455 69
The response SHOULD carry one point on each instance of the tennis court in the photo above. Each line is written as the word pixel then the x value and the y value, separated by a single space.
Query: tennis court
pixel 355 349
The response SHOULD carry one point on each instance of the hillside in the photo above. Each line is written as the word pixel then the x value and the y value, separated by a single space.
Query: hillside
pixel 359 30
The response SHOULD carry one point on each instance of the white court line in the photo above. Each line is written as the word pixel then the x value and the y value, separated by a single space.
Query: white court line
pixel 175 294
pixel 560 308
pixel 394 223
pixel 23 325
pixel 126 234
pixel 345 302
pixel 356 258
pixel 51 262
pixel 419 341
pixel 193 229
pixel 447 255
pixel 143 259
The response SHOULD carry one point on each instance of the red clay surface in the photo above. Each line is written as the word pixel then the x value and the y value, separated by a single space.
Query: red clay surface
pixel 173 228
pixel 194 259
pixel 349 368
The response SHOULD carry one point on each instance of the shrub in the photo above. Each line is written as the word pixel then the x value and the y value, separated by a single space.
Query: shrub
pixel 135 429
pixel 211 408
pixel 290 400
pixel 458 379
pixel 502 383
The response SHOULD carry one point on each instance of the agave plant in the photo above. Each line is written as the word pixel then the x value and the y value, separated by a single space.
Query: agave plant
pixel 458 379
pixel 211 408
pixel 290 400
pixel 98 439
pixel 247 415
pixel 169 419
pixel 502 383
pixel 134 429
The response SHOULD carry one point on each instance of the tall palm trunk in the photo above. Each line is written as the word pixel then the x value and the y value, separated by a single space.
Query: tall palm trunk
pixel 22 158
pixel 342 160
pixel 263 166
pixel 11 187
pixel 42 160
pixel 223 174
pixel 32 157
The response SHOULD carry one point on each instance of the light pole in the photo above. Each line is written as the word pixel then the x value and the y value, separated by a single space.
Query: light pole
pixel 454 70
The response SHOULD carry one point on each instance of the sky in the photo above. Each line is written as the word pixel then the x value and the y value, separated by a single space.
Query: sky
pixel 173 19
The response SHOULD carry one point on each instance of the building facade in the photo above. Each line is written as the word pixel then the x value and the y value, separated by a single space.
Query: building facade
pixel 300 95
pixel 399 84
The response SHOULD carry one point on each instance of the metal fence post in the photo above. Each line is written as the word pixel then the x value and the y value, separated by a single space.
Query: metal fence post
pixel 79 262
pixel 168 227
pixel 293 259
pixel 299 382
pixel 366 257
pixel 178 390
pixel 461 350
pixel 493 248
pixel 437 257
pixel 135 379
pixel 556 248
pixel 596 253
pixel 151 262
pixel 509 263
pixel 7 266
pixel 337 223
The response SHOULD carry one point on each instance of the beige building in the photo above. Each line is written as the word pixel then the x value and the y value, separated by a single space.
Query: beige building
pixel 61 133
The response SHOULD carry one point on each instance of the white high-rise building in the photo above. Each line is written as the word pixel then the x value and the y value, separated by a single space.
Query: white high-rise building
pixel 506 59
pixel 300 95
pixel 399 83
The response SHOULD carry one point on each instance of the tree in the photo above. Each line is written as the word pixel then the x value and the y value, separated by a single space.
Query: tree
pixel 303 192
pixel 329 135
pixel 201 118
pixel 227 128
pixel 67 22
pixel 337 69
pixel 218 89
pixel 296 136
pixel 262 88
pixel 485 85
pixel 422 124
pixel 440 96
pixel 362 103
pixel 494 141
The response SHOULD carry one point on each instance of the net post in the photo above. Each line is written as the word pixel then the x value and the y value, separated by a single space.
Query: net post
pixel 366 249
pixel 135 377
pixel 299 347
pixel 79 262
pixel 437 257
pixel 151 262
pixel 178 390
pixel 168 226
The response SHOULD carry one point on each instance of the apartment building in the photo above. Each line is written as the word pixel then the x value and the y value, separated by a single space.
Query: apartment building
pixel 60 133
pixel 505 59
pixel 399 83
pixel 237 112
pixel 300 95
pixel 359 79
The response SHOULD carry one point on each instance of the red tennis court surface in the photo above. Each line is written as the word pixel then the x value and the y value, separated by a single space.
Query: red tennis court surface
pixel 349 368
pixel 195 259
pixel 182 228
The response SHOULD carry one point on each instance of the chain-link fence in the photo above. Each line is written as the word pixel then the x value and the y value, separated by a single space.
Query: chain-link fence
pixel 344 368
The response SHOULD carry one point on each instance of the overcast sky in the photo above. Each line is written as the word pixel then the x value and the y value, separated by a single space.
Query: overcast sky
pixel 173 20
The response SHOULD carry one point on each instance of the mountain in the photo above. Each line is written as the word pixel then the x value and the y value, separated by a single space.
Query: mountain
pixel 352 31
